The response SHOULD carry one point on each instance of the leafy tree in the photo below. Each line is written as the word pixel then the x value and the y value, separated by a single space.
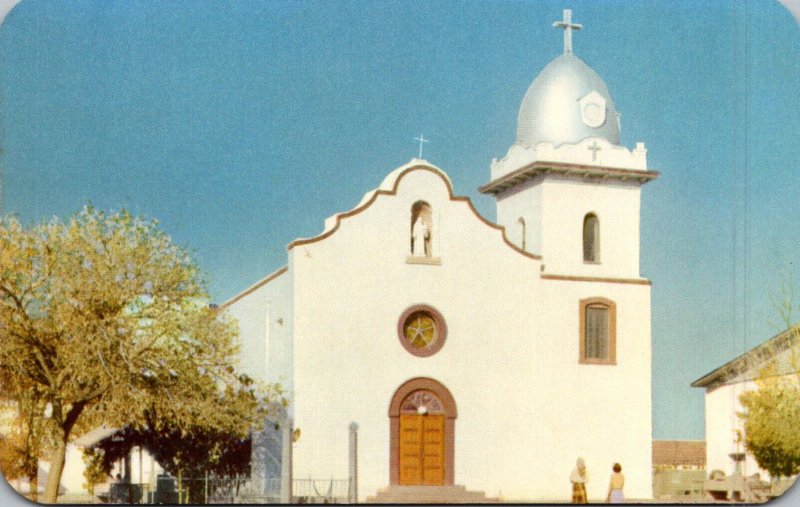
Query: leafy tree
pixel 94 473
pixel 772 411
pixel 107 321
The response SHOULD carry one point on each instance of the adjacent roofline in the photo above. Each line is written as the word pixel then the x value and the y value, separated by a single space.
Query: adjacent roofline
pixel 94 436
pixel 577 171
pixel 254 287
pixel 753 358
pixel 393 191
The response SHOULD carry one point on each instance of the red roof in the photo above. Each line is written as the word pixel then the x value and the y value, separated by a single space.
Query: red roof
pixel 679 453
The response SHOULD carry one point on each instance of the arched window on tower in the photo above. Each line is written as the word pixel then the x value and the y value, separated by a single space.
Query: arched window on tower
pixel 523 233
pixel 591 238
pixel 421 229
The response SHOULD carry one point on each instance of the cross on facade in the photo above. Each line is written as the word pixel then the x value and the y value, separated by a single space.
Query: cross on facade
pixel 567 25
pixel 421 140
pixel 594 148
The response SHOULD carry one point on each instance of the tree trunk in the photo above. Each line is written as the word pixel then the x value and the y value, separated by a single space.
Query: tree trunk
pixel 33 484
pixel 59 454
pixel 56 469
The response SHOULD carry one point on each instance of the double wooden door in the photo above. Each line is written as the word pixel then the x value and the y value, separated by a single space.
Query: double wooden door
pixel 422 449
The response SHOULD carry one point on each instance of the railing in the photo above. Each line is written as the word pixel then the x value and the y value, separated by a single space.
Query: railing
pixel 206 490
pixel 246 492
pixel 236 491
pixel 202 490
pixel 321 490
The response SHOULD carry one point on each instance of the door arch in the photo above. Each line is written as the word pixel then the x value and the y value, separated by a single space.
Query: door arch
pixel 422 406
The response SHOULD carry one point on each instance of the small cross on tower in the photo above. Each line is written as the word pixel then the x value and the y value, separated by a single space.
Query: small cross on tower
pixel 421 140
pixel 567 25
pixel 594 149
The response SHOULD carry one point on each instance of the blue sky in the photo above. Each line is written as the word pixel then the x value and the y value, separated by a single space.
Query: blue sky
pixel 242 125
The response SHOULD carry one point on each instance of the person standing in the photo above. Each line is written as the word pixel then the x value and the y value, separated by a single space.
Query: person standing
pixel 579 478
pixel 615 485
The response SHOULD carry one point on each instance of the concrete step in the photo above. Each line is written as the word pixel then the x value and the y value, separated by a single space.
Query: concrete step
pixel 429 494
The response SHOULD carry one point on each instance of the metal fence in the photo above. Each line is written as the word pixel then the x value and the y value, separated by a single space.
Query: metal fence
pixel 304 491
pixel 321 490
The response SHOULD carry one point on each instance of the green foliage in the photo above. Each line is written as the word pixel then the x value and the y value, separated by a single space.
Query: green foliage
pixel 193 453
pixel 771 416
pixel 772 411
pixel 105 321
pixel 94 473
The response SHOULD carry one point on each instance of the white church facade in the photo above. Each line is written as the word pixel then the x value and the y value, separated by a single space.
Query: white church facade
pixel 472 353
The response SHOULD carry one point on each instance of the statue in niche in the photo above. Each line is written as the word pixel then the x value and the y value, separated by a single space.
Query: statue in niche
pixel 419 236
pixel 421 229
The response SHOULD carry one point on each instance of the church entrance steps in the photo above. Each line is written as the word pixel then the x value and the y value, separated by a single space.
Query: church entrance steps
pixel 429 494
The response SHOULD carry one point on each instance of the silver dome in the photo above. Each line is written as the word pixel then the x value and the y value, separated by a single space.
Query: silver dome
pixel 566 103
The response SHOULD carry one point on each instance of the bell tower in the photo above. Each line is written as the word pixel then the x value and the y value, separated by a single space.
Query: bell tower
pixel 567 190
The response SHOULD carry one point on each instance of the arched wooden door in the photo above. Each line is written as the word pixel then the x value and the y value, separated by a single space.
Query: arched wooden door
pixel 422 416
pixel 421 439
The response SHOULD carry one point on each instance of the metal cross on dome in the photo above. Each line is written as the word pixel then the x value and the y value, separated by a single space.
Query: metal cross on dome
pixel 567 25
pixel 421 140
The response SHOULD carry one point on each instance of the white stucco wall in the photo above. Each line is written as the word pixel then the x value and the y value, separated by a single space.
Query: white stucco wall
pixel 554 209
pixel 72 477
pixel 522 202
pixel 564 205
pixel 526 408
pixel 264 316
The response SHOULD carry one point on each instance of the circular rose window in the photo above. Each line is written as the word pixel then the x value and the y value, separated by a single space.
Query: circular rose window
pixel 422 330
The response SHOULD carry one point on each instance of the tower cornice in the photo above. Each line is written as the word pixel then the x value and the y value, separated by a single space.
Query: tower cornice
pixel 574 171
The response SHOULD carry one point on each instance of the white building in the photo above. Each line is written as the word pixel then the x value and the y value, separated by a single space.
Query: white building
pixel 471 353
pixel 725 432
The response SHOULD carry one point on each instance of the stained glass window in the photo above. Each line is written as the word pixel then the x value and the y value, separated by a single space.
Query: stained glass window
pixel 420 330
pixel 421 401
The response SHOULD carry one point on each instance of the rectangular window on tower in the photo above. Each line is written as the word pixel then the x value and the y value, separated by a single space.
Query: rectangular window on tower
pixel 597 331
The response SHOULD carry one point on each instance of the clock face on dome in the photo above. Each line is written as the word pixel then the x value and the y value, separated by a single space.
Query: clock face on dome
pixel 593 109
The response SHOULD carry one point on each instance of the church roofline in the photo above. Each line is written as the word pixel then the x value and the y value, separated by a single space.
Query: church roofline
pixel 398 175
pixel 753 359
pixel 572 278
pixel 254 287
pixel 577 171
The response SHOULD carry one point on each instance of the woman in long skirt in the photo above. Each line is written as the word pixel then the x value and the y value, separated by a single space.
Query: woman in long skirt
pixel 579 478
